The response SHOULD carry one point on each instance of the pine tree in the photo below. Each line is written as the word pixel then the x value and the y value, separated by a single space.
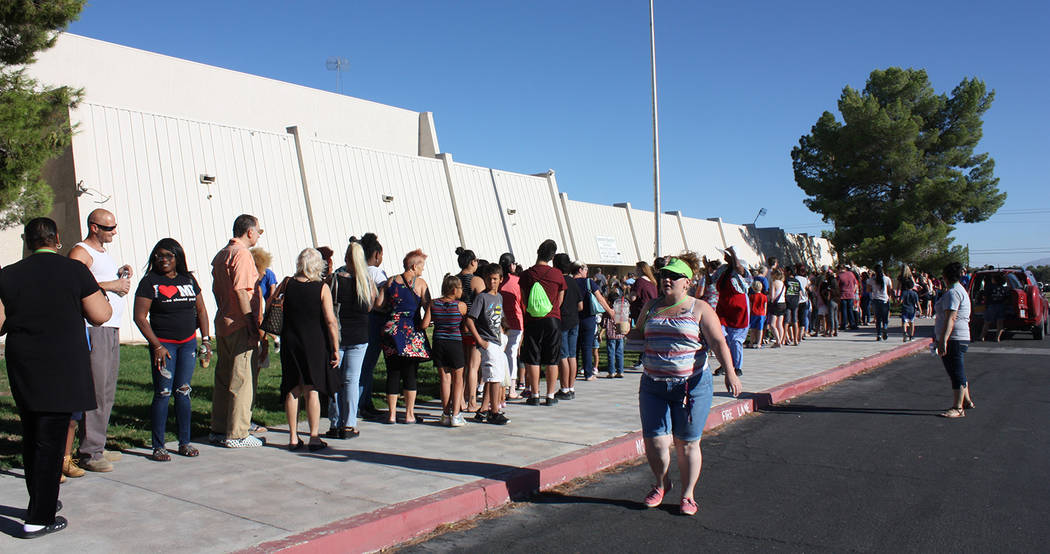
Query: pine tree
pixel 899 171
pixel 34 120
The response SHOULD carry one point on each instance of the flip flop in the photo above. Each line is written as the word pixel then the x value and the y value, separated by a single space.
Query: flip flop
pixel 953 413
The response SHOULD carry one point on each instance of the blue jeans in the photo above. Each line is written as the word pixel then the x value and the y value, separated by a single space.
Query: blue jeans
pixel 568 342
pixel 953 362
pixel 342 410
pixel 176 375
pixel 803 316
pixel 368 366
pixel 586 342
pixel 666 410
pixel 881 310
pixel 615 349
pixel 849 317
pixel 735 340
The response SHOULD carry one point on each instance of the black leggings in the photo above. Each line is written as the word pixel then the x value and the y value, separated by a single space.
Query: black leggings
pixel 402 369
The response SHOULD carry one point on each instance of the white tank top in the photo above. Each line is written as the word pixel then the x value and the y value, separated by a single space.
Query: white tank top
pixel 104 268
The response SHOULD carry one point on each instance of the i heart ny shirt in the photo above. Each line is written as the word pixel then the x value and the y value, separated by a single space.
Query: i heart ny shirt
pixel 173 308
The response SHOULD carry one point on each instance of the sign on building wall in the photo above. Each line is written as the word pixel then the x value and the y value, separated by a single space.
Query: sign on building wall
pixel 608 252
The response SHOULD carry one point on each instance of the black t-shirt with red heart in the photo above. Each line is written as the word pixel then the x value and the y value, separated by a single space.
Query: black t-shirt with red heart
pixel 173 311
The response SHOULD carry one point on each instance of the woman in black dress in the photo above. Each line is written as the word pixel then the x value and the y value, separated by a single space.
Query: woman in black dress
pixel 309 341
pixel 44 300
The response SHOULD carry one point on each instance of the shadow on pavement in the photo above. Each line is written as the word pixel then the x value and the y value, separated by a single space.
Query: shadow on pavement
pixel 558 498
pixel 804 409
pixel 11 524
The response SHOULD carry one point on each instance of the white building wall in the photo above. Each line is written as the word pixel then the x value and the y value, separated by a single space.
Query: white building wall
pixel 588 221
pixel 347 186
pixel 743 243
pixel 670 234
pixel 703 236
pixel 535 217
pixel 145 169
pixel 116 75
pixel 479 212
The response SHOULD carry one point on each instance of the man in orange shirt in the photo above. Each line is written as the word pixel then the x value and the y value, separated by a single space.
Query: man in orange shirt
pixel 235 285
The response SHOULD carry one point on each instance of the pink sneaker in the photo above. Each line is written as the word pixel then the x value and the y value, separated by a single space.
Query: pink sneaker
pixel 689 507
pixel 656 495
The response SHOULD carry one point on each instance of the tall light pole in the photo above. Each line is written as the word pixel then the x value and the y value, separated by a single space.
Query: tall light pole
pixel 656 137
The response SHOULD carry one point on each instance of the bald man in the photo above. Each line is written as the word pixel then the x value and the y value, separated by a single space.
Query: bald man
pixel 105 339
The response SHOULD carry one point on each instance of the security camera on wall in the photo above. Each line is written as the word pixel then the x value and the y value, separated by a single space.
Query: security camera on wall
pixel 207 179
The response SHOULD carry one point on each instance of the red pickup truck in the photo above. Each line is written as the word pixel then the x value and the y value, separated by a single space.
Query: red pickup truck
pixel 1026 308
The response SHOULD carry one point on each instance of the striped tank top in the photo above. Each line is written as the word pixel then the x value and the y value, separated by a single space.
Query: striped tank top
pixel 447 320
pixel 673 345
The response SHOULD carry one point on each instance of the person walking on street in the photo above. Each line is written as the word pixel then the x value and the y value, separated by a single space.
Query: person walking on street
pixel 44 301
pixel 952 337
pixel 237 318
pixel 675 393
pixel 105 339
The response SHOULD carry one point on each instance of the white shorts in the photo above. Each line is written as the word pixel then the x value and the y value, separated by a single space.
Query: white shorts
pixel 493 363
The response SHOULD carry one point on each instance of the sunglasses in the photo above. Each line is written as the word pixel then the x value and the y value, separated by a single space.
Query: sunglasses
pixel 106 228
pixel 671 275
pixel 164 256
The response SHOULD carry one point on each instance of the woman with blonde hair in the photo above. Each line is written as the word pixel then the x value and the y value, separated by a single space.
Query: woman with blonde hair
pixel 310 341
pixel 353 297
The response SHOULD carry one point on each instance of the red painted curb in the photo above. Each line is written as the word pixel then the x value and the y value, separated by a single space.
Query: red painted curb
pixel 403 521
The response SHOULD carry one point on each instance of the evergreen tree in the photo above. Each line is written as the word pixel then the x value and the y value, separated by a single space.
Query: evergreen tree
pixel 34 120
pixel 899 171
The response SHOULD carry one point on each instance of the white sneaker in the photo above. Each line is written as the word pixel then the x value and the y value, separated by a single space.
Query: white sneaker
pixel 458 420
pixel 247 442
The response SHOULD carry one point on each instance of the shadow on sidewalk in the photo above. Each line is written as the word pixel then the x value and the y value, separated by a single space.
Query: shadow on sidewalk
pixel 10 523
pixel 519 480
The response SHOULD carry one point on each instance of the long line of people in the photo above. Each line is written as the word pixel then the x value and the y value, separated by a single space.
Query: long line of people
pixel 332 323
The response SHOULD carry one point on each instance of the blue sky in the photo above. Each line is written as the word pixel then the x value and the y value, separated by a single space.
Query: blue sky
pixel 527 86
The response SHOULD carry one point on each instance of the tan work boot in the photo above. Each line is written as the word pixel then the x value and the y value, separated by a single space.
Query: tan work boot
pixel 112 455
pixel 70 468
pixel 100 465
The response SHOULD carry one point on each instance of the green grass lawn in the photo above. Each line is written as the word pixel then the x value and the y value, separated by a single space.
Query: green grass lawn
pixel 129 424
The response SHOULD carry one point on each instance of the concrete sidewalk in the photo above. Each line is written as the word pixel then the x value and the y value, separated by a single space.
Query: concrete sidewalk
pixel 268 499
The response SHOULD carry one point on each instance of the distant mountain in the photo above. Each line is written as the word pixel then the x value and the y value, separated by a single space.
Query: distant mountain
pixel 1040 261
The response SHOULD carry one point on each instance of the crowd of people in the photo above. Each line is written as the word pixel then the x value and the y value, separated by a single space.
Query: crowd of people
pixel 496 328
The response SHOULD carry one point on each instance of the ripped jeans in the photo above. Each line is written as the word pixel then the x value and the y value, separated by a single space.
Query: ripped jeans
pixel 174 377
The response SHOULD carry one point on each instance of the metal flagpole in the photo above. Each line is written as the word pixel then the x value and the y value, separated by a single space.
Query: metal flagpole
pixel 656 137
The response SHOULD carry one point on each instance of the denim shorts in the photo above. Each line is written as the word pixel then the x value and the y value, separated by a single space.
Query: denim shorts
pixel 568 341
pixel 758 322
pixel 663 410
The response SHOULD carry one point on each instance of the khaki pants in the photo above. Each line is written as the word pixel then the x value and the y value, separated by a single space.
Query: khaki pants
pixel 231 412
pixel 105 363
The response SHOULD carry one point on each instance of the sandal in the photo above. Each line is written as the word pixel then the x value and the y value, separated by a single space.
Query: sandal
pixel 315 446
pixel 160 455
pixel 968 404
pixel 188 450
pixel 689 507
pixel 953 413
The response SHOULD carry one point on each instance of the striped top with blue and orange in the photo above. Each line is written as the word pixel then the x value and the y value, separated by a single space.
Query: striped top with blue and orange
pixel 447 320
pixel 673 345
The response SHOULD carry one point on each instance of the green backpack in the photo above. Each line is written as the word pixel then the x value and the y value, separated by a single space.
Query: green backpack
pixel 539 305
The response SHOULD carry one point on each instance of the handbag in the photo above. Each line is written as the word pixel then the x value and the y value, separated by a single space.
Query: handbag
pixel 273 317
pixel 596 307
